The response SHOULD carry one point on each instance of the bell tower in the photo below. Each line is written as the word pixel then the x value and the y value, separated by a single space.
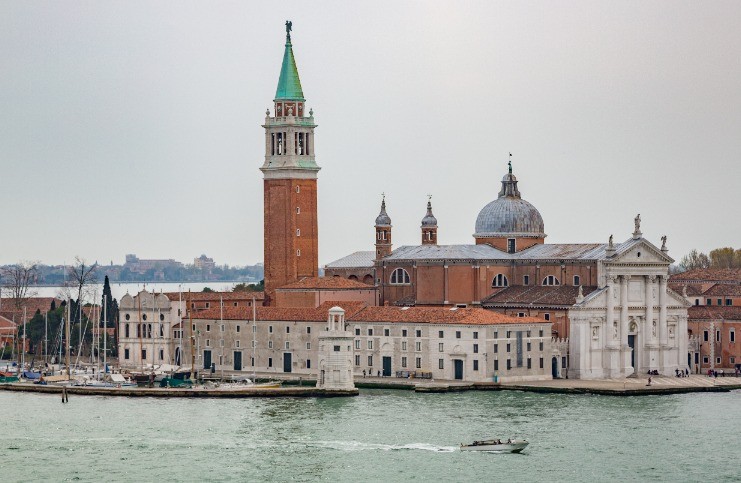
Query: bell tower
pixel 291 238
pixel 429 225
pixel 383 232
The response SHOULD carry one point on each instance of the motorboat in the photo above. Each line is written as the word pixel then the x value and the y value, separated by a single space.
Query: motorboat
pixel 496 445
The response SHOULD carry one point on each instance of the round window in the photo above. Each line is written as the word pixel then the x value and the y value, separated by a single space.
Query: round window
pixel 144 317
pixel 128 316
pixel 162 316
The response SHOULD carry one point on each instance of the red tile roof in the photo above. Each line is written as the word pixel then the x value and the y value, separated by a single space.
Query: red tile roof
pixel 7 325
pixel 710 312
pixel 715 290
pixel 214 296
pixel 538 295
pixel 438 315
pixel 43 304
pixel 709 275
pixel 327 283
pixel 359 312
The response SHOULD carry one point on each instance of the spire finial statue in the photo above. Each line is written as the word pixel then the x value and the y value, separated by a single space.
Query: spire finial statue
pixel 637 221
pixel 289 27
pixel 610 243
pixel 510 163
pixel 663 243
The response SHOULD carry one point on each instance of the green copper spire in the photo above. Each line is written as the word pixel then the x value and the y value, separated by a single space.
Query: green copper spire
pixel 289 84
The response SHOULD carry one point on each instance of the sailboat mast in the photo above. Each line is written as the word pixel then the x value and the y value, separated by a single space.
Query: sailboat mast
pixel 192 340
pixel 105 333
pixel 23 346
pixel 46 336
pixel 254 334
pixel 67 336
pixel 139 331
pixel 180 318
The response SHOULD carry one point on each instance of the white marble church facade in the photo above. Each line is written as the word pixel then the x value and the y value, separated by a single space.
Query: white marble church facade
pixel 633 323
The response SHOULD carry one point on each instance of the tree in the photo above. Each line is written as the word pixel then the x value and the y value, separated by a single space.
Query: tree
pixel 725 257
pixel 253 287
pixel 81 276
pixel 694 260
pixel 109 303
pixel 16 280
pixel 208 289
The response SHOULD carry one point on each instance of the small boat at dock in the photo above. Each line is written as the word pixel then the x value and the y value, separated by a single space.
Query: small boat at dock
pixel 496 445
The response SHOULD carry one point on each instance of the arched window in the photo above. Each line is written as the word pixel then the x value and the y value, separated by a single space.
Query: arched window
pixel 400 277
pixel 298 232
pixel 126 330
pixel 500 281
pixel 551 280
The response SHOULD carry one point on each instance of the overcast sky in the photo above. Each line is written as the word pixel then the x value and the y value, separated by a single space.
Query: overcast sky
pixel 134 127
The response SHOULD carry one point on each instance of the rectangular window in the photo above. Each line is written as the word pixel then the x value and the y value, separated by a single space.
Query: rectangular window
pixel 419 333
pixel 288 330
pixel 370 361
pixel 528 334
pixel 252 361
pixel 704 335
pixel 440 334
pixel 357 360
pixel 308 330
pixel 729 301
pixel 126 353
pixel 717 360
pixel 540 346
pixel 208 327
pixel 336 348
pixel 386 332
pixel 697 301
pixel 254 344
pixel 577 281
pixel 509 364
pixel 270 362
pixel 418 363
pixel 732 335
pixel 496 348
pixel 440 347
pixel 418 346
pixel 144 353
pixel 236 344
pixel 254 329
pixel 221 342
pixel 270 344
pixel 208 305
pixel 270 329
pixel 509 333
pixel 403 362
pixel 508 347
pixel 540 332
pixel 475 335
pixel 357 344
pixel 733 360
pixel 475 365
pixel 457 334
pixel 717 336
pixel 441 363
pixel 529 363
pixel 704 359
pixel 526 279
pixel 308 346
pixel 475 348
pixel 208 342
pixel 528 346
pixel 496 364
pixel 404 345
pixel 541 363
pixel 720 301
pixel 370 331
pixel 521 314
pixel 288 345
pixel 496 334
pixel 223 327
pixel 370 345
pixel 308 364
pixel 708 301
pixel 357 331
pixel 403 332
pixel 511 245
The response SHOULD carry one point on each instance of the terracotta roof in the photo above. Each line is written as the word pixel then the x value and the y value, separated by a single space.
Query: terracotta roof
pixel 360 312
pixel 710 312
pixel 213 296
pixel 33 304
pixel 522 295
pixel 438 315
pixel 709 275
pixel 327 283
pixel 693 289
pixel 7 325
pixel 720 289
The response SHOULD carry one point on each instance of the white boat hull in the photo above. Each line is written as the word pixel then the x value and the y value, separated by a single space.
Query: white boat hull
pixel 512 447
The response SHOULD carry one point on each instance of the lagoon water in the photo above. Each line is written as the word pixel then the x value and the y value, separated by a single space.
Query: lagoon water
pixel 382 435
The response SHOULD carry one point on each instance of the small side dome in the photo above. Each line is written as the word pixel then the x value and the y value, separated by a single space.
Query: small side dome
pixel 383 218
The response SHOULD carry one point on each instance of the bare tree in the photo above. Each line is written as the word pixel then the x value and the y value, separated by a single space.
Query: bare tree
pixel 81 276
pixel 16 285
pixel 694 260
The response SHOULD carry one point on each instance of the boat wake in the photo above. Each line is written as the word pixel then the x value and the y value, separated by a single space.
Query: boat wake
pixel 358 446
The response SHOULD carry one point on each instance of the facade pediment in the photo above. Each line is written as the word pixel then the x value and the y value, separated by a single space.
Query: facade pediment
pixel 639 251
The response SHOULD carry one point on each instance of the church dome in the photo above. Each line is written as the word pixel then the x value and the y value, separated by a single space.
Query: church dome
pixel 509 215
